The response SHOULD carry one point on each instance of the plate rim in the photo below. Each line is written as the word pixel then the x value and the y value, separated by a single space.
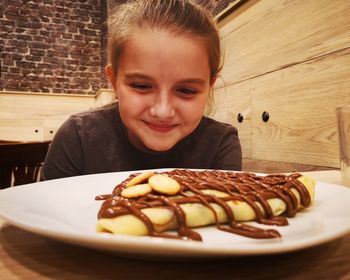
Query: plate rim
pixel 178 247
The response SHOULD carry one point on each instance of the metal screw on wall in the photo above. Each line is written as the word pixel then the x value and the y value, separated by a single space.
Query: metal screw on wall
pixel 265 116
pixel 240 117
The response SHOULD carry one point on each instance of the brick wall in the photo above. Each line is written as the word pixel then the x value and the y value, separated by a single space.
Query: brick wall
pixel 57 46
pixel 213 5
pixel 52 46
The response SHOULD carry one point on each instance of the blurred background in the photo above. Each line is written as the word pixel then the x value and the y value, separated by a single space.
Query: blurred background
pixel 57 46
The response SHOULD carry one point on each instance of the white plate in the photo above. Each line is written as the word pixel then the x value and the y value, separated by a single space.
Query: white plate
pixel 65 209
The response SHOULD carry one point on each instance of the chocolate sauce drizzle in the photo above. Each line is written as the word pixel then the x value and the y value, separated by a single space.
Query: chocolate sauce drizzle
pixel 240 186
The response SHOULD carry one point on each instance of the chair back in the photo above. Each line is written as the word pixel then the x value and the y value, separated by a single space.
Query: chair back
pixel 20 162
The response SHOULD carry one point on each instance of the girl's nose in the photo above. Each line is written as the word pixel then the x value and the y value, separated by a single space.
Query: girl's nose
pixel 163 107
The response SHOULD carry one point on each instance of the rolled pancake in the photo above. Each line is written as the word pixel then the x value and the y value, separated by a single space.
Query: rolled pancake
pixel 206 198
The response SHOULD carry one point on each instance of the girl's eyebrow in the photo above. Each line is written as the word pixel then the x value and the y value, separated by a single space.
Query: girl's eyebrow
pixel 137 75
pixel 146 77
pixel 193 80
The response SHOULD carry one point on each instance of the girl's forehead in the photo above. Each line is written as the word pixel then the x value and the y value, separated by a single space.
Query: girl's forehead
pixel 154 36
pixel 172 32
pixel 159 53
pixel 151 41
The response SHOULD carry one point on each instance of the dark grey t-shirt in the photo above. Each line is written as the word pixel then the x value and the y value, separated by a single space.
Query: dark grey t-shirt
pixel 95 142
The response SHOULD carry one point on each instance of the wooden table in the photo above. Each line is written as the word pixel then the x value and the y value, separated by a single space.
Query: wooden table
pixel 24 255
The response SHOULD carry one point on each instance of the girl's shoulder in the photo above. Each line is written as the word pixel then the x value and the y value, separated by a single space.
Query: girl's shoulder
pixel 109 111
pixel 106 109
pixel 214 126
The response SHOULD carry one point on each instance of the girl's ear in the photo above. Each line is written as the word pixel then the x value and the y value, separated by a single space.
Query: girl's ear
pixel 110 75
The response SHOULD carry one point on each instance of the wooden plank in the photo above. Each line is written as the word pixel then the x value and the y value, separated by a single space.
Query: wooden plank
pixel 301 101
pixel 229 102
pixel 267 166
pixel 22 130
pixel 37 116
pixel 43 105
pixel 271 35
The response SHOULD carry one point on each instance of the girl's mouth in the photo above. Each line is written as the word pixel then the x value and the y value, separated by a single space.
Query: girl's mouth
pixel 160 127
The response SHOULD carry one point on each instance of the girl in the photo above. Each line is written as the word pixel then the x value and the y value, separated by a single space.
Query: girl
pixel 164 59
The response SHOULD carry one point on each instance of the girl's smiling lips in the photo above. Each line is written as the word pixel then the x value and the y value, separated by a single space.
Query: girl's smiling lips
pixel 160 127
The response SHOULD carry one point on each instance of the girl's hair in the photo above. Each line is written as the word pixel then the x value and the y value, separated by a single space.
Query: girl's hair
pixel 182 17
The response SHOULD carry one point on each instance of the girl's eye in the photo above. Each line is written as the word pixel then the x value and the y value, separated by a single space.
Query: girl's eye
pixel 140 86
pixel 187 91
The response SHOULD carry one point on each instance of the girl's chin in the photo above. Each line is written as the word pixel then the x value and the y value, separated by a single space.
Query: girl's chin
pixel 152 144
pixel 154 147
pixel 158 149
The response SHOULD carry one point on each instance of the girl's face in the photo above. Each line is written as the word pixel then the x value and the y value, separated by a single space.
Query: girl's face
pixel 162 85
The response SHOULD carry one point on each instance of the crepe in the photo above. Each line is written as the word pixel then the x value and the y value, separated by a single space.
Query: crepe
pixel 222 198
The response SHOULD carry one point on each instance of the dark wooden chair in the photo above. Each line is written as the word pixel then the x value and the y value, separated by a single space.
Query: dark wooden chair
pixel 20 162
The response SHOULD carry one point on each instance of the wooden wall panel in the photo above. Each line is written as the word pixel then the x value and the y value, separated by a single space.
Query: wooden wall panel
pixel 301 101
pixel 37 116
pixel 268 35
pixel 229 102
pixel 295 57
